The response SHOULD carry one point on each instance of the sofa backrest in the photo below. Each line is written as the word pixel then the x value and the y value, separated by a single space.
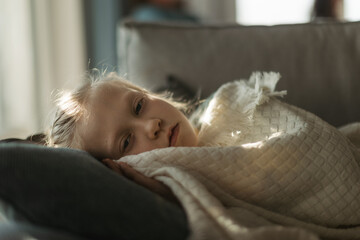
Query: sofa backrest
pixel 319 63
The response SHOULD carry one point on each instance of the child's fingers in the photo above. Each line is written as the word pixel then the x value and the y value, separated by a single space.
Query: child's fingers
pixel 112 165
pixel 130 172
pixel 139 178
pixel 148 182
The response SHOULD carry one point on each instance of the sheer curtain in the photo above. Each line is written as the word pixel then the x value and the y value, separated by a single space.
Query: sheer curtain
pixel 42 48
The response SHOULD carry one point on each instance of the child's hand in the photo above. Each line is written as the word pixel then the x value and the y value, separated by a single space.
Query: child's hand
pixel 112 165
pixel 153 185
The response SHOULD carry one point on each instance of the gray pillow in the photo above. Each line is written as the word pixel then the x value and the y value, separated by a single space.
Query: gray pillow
pixel 71 191
pixel 21 231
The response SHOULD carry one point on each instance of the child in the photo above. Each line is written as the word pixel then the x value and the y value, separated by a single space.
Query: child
pixel 258 154
pixel 110 118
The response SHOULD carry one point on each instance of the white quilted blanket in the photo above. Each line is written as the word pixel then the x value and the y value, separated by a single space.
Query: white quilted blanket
pixel 265 170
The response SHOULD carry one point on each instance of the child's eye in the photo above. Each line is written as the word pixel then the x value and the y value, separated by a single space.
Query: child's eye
pixel 126 142
pixel 139 106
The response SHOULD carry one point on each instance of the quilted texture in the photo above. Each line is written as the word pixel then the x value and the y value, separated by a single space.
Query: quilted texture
pixel 264 159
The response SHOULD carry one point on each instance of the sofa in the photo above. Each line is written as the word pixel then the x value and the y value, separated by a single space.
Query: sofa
pixel 318 62
pixel 56 193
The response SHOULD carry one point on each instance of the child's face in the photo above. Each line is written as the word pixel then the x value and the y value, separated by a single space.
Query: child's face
pixel 125 122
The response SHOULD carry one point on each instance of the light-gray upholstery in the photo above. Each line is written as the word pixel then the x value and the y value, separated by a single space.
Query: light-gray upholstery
pixel 319 63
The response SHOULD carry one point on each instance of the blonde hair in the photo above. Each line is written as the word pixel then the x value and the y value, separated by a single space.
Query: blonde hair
pixel 71 107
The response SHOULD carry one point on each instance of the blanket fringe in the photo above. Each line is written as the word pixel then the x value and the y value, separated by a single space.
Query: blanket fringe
pixel 243 96
pixel 264 84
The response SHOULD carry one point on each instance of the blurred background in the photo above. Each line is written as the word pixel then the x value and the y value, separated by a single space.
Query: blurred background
pixel 47 45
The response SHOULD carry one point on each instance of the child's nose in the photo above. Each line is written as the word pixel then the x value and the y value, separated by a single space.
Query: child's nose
pixel 153 128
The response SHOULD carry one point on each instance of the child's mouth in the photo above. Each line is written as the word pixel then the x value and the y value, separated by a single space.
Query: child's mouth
pixel 173 135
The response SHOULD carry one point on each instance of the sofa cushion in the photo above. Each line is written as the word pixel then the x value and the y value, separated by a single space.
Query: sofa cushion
pixel 318 62
pixel 71 191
